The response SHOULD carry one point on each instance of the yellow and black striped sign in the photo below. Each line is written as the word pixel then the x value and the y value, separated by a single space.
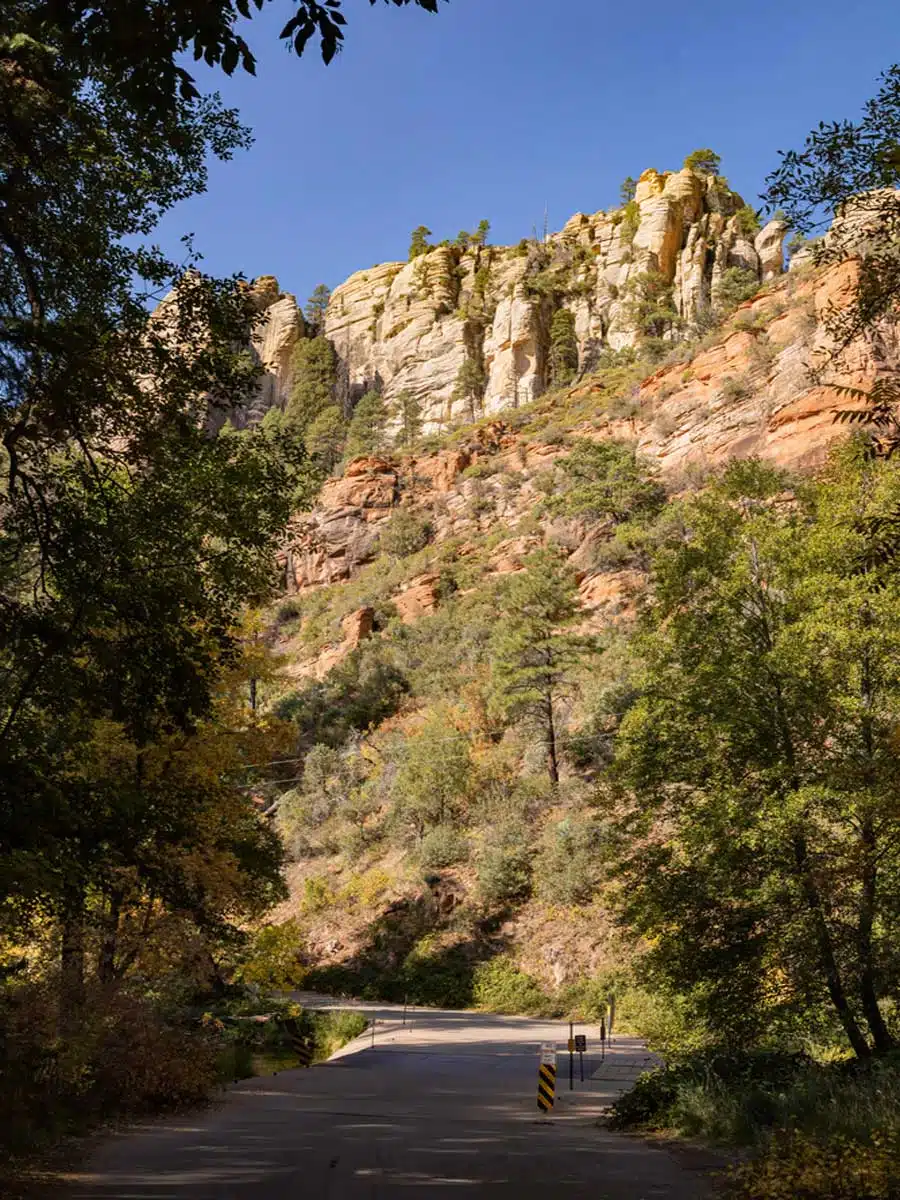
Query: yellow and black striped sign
pixel 301 1044
pixel 546 1086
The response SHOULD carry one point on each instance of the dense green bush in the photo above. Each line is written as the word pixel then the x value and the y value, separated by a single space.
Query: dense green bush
pixel 799 1167
pixel 499 986
pixel 723 1094
pixel 405 533
pixel 607 481
pixel 736 285
pixel 442 847
pixel 567 867
pixel 504 867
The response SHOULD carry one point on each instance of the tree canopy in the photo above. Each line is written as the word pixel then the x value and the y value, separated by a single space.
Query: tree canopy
pixel 762 860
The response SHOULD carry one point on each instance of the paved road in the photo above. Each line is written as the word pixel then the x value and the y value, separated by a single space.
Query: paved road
pixel 444 1106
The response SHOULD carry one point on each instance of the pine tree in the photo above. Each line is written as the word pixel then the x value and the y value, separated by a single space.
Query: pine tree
pixel 705 161
pixel 315 373
pixel 409 411
pixel 563 348
pixel 534 658
pixel 325 437
pixel 628 190
pixel 470 384
pixel 480 236
pixel 419 243
pixel 366 434
pixel 316 308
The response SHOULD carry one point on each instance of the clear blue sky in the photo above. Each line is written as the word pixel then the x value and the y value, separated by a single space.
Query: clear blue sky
pixel 495 108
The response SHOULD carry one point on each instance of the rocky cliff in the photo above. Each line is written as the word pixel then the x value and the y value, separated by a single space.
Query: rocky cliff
pixel 411 327
pixel 762 385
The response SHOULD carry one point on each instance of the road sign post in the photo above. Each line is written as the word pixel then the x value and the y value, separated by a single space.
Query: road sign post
pixel 580 1048
pixel 571 1057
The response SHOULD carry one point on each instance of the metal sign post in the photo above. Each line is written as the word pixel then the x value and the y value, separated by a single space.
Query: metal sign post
pixel 602 1038
pixel 571 1057
pixel 580 1048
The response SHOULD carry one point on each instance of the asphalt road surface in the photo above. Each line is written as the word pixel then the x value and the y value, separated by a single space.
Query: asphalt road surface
pixel 443 1106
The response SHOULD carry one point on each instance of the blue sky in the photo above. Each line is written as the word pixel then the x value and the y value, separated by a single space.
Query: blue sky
pixel 495 108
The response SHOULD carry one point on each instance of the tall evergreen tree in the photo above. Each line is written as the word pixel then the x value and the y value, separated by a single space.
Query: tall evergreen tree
pixel 534 657
pixel 419 243
pixel 314 366
pixel 316 308
pixel 480 236
pixel 408 411
pixel 325 437
pixel 366 434
pixel 563 348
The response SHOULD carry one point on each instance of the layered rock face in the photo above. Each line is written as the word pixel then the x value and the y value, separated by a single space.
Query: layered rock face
pixel 412 327
pixel 766 386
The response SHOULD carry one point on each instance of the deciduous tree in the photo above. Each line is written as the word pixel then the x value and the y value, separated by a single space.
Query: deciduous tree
pixel 761 757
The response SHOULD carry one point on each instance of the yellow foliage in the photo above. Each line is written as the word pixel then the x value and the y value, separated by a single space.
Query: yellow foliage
pixel 365 889
pixel 797 1167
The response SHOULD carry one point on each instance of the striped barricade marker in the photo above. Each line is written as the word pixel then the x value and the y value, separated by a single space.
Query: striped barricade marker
pixel 546 1096
pixel 300 1044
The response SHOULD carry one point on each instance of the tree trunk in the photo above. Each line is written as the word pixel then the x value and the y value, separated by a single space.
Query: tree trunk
pixel 826 951
pixel 72 992
pixel 868 993
pixel 881 1036
pixel 550 726
pixel 106 966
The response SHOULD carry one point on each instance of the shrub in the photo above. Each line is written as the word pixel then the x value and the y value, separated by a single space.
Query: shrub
pixel 631 219
pixel 567 864
pixel 442 847
pixel 499 986
pixel 709 1085
pixel 130 1055
pixel 735 388
pixel 798 1167
pixel 405 533
pixel 317 894
pixel 332 1030
pixel 747 221
pixel 736 285
pixel 287 611
pixel 504 868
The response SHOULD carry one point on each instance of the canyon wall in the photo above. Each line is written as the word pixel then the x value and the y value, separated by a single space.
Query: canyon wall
pixel 410 327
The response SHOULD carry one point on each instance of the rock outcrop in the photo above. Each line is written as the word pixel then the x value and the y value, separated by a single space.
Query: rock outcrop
pixel 412 327
pixel 765 386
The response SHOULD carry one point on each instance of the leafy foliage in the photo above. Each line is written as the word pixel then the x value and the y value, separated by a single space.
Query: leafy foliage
pixel 850 170
pixel 607 481
pixel 408 412
pixel 760 755
pixel 316 308
pixel 419 243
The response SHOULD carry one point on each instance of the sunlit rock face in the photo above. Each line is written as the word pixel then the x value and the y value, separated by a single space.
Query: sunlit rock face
pixel 412 327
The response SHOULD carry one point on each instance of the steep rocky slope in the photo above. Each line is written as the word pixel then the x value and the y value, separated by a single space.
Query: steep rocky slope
pixel 478 502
